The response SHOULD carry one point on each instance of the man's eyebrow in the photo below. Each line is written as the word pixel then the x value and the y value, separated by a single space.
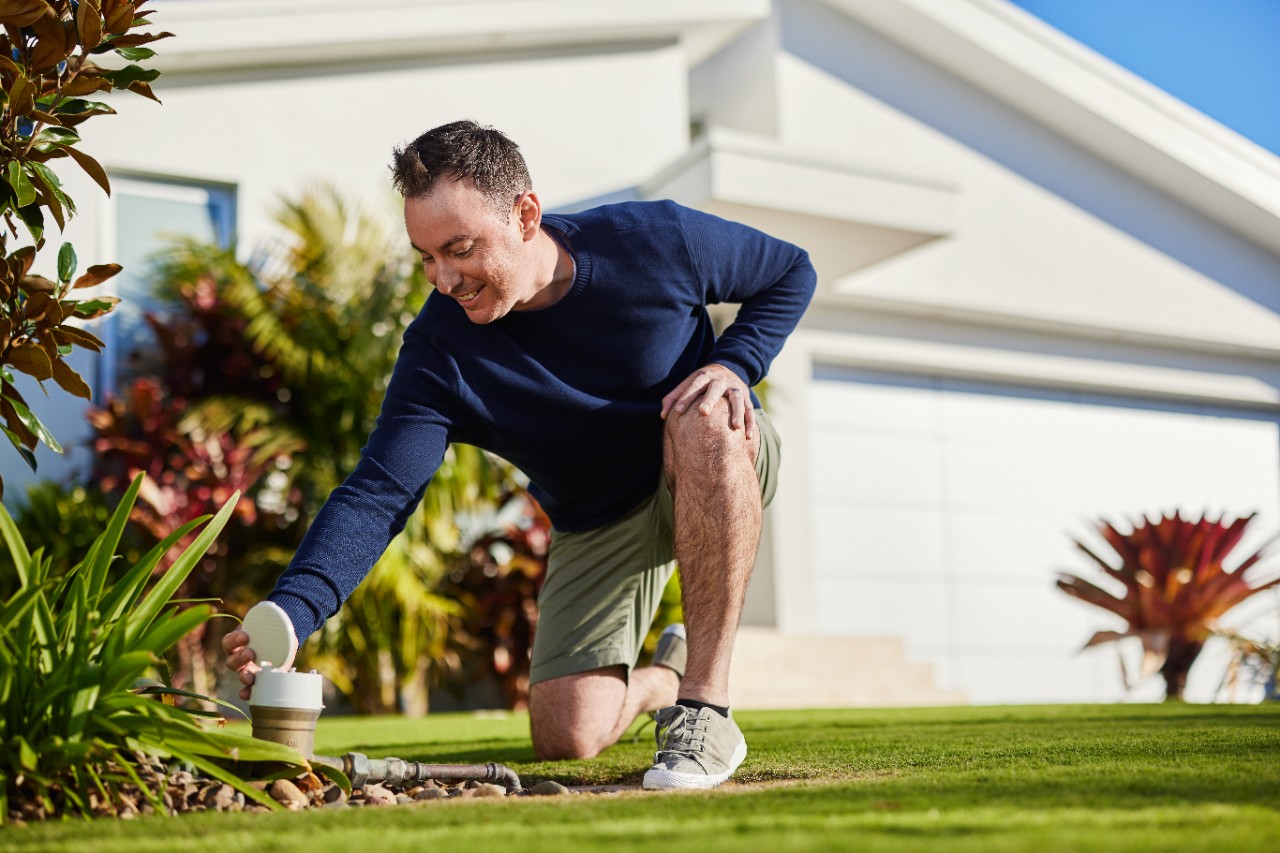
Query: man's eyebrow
pixel 445 245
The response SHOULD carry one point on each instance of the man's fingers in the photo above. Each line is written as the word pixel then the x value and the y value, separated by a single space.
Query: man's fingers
pixel 749 420
pixel 234 640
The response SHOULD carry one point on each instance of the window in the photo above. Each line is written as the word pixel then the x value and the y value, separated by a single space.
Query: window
pixel 148 215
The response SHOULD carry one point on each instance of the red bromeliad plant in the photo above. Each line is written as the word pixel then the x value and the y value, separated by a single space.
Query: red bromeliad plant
pixel 1175 587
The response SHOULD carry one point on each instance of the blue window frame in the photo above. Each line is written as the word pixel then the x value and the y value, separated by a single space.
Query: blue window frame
pixel 149 213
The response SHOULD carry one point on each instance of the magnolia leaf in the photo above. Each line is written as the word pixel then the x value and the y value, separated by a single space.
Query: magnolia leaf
pixel 85 84
pixel 31 422
pixel 90 165
pixel 79 106
pixel 22 13
pixel 37 306
pixel 22 95
pixel 70 380
pixel 27 455
pixel 33 217
pixel 78 337
pixel 91 308
pixel 66 262
pixel 21 183
pixel 96 274
pixel 33 284
pixel 121 78
pixel 144 89
pixel 89 24
pixel 136 54
pixel 51 46
pixel 119 19
pixel 31 360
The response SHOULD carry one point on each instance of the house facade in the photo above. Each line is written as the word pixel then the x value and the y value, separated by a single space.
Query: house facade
pixel 1048 291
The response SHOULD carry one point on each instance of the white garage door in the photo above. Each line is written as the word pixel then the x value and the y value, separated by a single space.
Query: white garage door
pixel 943 509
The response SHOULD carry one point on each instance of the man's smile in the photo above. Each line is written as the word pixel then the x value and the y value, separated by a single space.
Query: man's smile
pixel 469 297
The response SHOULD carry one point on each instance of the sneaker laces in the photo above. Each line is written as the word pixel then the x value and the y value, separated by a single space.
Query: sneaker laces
pixel 687 738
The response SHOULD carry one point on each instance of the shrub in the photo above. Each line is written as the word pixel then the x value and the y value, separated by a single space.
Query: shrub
pixel 73 650
pixel 1175 587
pixel 46 73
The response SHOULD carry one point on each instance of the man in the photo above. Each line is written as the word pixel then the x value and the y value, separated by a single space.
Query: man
pixel 579 348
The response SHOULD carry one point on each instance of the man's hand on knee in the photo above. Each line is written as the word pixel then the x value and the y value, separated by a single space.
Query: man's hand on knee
pixel 704 388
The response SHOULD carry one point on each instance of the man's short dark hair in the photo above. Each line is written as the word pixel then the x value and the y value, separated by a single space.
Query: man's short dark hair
pixel 461 150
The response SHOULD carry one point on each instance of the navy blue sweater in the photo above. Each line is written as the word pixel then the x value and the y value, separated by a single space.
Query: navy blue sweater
pixel 570 394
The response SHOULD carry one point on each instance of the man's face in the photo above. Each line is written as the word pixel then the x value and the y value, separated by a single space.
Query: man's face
pixel 470 252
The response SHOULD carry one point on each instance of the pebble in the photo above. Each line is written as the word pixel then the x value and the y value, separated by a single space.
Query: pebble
pixel 376 795
pixel 488 790
pixel 285 792
pixel 403 800
pixel 430 794
pixel 548 788
pixel 333 794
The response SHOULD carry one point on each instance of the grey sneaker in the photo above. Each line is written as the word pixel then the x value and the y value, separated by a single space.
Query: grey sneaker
pixel 672 651
pixel 696 749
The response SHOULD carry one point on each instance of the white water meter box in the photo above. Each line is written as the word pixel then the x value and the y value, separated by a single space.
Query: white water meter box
pixel 287 688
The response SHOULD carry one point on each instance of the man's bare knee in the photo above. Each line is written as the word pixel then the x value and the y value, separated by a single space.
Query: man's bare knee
pixel 706 442
pixel 573 716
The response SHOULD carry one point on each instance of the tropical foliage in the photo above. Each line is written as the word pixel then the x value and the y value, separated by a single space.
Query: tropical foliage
pixel 79 656
pixel 269 379
pixel 1171 586
pixel 46 73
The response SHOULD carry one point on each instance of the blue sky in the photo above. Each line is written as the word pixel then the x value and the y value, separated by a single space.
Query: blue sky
pixel 1220 56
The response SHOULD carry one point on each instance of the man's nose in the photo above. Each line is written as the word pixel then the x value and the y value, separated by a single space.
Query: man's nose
pixel 448 277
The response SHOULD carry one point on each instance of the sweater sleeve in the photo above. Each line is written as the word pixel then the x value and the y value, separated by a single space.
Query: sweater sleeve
pixel 771 279
pixel 361 517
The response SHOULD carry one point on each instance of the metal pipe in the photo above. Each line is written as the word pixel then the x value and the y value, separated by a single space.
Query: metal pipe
pixel 360 769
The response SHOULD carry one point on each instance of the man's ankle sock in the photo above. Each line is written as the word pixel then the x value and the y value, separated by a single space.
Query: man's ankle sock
pixel 694 704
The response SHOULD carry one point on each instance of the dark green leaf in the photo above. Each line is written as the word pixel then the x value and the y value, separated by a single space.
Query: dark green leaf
pixel 27 455
pixel 136 54
pixel 130 74
pixel 22 188
pixel 31 422
pixel 80 106
pixel 33 217
pixel 66 262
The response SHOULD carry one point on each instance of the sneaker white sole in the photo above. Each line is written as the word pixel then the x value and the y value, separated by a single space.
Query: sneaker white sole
pixel 662 779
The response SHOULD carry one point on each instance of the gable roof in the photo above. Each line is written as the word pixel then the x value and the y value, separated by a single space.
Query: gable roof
pixel 1098 105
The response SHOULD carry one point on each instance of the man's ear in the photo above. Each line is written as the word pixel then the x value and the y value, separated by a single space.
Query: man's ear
pixel 528 214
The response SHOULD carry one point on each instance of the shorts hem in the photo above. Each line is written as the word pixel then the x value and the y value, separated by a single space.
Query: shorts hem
pixel 583 661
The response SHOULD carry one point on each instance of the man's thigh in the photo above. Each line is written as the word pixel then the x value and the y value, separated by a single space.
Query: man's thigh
pixel 603 586
pixel 602 589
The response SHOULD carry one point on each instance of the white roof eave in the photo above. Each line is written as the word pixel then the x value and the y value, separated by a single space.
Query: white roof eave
pixel 847 215
pixel 221 35
pixel 1091 101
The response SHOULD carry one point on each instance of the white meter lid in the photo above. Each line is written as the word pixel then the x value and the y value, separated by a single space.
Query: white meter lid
pixel 271 635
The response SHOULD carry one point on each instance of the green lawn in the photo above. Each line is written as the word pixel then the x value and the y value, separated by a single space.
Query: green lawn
pixel 1117 777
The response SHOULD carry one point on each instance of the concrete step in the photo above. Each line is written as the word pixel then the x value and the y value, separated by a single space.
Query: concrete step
pixel 774 670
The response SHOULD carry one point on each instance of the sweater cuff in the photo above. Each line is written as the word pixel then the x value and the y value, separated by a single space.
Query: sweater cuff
pixel 303 616
pixel 737 369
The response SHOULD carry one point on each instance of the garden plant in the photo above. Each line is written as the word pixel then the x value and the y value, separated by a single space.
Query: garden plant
pixel 1172 585
pixel 47 74
pixel 82 688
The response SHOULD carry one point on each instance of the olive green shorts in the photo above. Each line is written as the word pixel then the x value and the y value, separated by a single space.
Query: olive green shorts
pixel 603 586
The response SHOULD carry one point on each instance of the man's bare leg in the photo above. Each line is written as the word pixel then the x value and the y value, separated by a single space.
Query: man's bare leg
pixel 578 716
pixel 718 513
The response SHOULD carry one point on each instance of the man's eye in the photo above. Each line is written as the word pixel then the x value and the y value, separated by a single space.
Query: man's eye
pixel 465 253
